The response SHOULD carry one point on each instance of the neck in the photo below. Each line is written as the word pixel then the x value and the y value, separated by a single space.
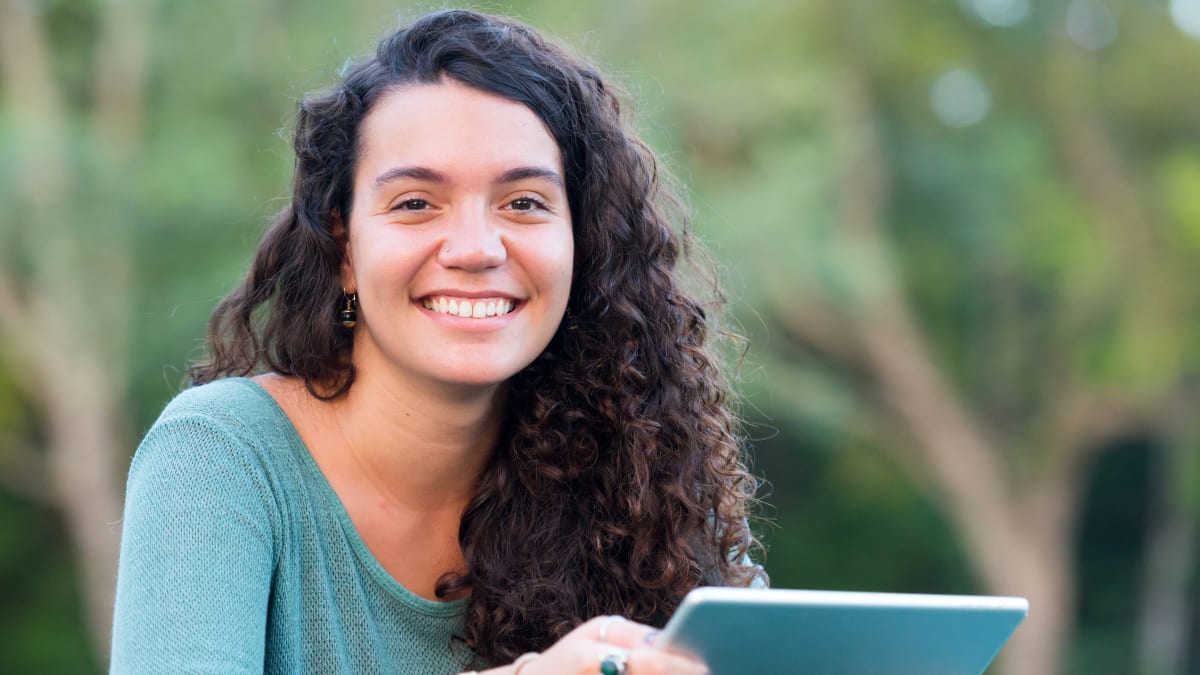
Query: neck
pixel 422 447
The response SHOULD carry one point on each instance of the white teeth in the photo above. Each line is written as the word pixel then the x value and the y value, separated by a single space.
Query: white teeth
pixel 467 308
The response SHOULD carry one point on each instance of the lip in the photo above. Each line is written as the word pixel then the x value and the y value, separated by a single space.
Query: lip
pixel 470 295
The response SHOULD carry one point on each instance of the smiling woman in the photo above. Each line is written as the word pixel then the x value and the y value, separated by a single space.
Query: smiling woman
pixel 461 413
pixel 459 205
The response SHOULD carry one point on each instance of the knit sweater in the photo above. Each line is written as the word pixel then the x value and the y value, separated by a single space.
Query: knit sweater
pixel 238 557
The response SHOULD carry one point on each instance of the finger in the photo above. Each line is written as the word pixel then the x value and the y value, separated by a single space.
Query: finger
pixel 618 631
pixel 649 662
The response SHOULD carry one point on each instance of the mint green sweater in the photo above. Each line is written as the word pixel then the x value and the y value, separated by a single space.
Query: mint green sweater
pixel 238 557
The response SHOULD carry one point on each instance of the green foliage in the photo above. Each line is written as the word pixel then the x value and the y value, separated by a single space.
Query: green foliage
pixel 41 630
pixel 1008 262
pixel 848 517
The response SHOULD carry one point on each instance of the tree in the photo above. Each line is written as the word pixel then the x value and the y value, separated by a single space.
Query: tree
pixel 993 304
pixel 65 290
pixel 1003 297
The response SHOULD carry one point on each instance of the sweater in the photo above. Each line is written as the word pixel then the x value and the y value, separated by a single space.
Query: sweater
pixel 238 557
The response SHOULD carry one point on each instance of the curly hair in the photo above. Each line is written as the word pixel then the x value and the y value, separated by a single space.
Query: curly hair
pixel 617 485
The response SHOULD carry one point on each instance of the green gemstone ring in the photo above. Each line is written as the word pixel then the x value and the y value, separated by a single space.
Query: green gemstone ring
pixel 613 662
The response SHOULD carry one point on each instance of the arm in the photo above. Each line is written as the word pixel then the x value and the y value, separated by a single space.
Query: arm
pixel 197 554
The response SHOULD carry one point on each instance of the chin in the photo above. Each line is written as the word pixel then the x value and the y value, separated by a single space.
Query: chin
pixel 477 377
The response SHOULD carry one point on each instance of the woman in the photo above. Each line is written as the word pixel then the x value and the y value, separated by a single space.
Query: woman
pixel 480 408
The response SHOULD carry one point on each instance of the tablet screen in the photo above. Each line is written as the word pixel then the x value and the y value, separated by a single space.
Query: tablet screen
pixel 737 630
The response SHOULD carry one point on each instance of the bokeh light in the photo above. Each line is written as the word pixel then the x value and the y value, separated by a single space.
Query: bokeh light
pixel 1091 24
pixel 1186 15
pixel 959 98
pixel 1001 13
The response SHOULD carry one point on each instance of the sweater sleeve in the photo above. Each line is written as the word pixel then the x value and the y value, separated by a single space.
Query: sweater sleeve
pixel 197 553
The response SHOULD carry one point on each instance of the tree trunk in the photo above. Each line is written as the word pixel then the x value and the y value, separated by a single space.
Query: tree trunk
pixel 77 292
pixel 1046 577
pixel 86 436
pixel 1018 539
pixel 1019 542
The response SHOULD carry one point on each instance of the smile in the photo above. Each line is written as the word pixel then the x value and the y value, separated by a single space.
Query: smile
pixel 468 308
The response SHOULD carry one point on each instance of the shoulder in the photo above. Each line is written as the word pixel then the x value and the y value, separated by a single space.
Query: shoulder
pixel 229 425
pixel 227 400
pixel 234 408
pixel 201 535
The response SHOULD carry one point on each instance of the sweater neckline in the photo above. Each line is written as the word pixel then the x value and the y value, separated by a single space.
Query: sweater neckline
pixel 367 559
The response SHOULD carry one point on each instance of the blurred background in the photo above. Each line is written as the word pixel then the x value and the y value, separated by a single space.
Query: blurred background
pixel 957 235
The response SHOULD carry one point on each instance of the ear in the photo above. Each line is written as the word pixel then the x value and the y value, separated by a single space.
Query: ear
pixel 342 234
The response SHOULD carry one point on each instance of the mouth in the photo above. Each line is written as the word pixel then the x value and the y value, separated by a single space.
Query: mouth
pixel 469 308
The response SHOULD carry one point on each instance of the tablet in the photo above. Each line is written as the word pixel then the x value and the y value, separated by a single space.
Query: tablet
pixel 740 630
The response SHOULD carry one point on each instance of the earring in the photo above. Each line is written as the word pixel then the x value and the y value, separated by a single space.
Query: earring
pixel 349 315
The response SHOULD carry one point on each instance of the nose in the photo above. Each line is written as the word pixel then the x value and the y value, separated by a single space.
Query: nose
pixel 472 243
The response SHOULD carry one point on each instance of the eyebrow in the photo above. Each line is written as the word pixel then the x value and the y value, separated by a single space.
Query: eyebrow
pixel 426 174
pixel 416 172
pixel 524 172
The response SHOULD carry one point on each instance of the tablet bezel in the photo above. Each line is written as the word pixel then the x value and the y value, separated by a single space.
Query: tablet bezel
pixel 993 618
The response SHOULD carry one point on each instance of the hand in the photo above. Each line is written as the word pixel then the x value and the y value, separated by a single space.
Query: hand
pixel 581 651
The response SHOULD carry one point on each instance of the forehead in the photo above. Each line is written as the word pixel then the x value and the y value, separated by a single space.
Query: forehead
pixel 451 127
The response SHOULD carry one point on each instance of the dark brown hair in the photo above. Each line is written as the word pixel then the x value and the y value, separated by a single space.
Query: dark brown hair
pixel 617 485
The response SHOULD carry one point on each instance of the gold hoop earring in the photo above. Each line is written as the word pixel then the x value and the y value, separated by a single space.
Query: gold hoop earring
pixel 349 314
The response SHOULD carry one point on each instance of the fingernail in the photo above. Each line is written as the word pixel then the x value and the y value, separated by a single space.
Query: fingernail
pixel 652 637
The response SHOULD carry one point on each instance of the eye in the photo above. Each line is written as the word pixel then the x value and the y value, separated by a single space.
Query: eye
pixel 526 204
pixel 411 205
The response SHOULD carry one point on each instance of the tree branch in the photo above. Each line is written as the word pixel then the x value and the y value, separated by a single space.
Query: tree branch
pixel 955 450
pixel 810 321
pixel 35 101
pixel 1082 423
pixel 1091 156
pixel 120 74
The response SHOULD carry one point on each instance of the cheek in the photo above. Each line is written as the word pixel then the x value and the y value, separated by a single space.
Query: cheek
pixel 561 266
pixel 384 275
pixel 390 256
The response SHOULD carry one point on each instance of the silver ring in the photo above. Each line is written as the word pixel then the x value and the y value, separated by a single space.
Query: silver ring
pixel 604 626
pixel 614 662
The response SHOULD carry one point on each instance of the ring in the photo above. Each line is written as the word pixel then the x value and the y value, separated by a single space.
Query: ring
pixel 614 662
pixel 603 637
pixel 522 660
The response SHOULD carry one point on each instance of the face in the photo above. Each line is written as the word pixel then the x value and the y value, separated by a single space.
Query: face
pixel 459 238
